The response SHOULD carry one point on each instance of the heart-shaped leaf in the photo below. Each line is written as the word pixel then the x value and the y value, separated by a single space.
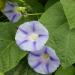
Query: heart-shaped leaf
pixel 10 54
pixel 62 39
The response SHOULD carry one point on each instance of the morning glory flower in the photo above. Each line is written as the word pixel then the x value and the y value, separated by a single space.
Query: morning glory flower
pixel 44 61
pixel 31 36
pixel 12 11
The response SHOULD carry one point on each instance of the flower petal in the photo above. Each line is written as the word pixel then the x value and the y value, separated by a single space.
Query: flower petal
pixel 26 26
pixel 41 41
pixel 36 41
pixel 52 53
pixel 12 4
pixel 20 36
pixel 36 55
pixel 40 29
pixel 7 6
pixel 10 13
pixel 16 17
pixel 47 66
pixel 27 46
pixel 35 63
pixel 52 66
pixel 34 60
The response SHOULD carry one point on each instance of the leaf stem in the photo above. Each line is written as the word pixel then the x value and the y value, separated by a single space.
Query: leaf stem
pixel 34 14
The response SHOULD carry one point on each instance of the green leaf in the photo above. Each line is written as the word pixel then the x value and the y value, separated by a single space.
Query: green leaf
pixel 53 17
pixel 62 39
pixel 10 54
pixel 22 69
pixel 50 3
pixel 34 5
pixel 69 9
pixel 1 73
pixel 68 71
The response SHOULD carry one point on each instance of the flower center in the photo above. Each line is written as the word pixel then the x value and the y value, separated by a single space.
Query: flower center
pixel 20 9
pixel 45 56
pixel 33 37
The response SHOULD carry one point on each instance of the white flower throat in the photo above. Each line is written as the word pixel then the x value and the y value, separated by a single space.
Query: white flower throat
pixel 45 56
pixel 33 37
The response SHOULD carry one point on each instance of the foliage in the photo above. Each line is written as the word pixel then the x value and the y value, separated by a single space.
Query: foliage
pixel 58 16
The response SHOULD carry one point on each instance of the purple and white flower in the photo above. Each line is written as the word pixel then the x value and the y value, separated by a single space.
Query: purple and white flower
pixel 31 36
pixel 11 11
pixel 44 61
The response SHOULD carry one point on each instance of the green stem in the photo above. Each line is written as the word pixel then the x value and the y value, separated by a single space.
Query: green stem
pixel 34 14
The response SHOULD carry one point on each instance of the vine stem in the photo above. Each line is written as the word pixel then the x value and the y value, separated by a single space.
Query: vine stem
pixel 35 14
